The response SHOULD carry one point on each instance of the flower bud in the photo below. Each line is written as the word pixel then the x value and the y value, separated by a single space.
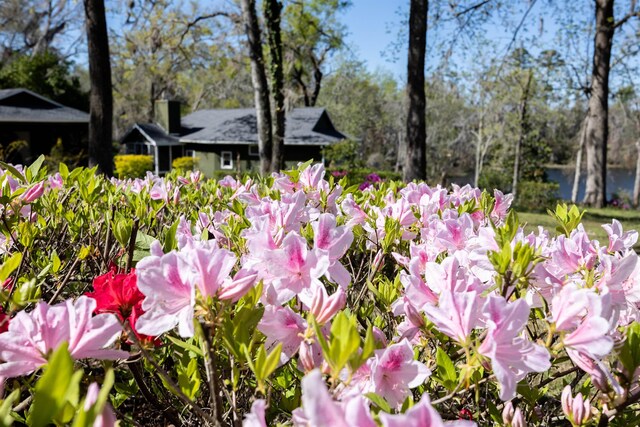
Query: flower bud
pixel 511 417
pixel 576 409
pixel 235 289
pixel 305 355
pixel 33 193
pixel 379 337
pixel 412 314
pixel 377 261
pixel 325 307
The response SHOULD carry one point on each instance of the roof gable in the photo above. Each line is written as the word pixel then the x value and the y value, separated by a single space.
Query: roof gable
pixel 304 126
pixel 24 106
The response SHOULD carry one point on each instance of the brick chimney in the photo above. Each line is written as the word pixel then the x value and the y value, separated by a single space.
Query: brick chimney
pixel 167 115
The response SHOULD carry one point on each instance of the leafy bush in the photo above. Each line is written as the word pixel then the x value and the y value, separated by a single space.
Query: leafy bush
pixel 498 179
pixel 133 165
pixel 288 300
pixel 360 176
pixel 537 196
pixel 343 155
pixel 186 163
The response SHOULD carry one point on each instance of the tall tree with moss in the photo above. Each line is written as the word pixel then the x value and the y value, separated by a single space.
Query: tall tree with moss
pixel 415 165
pixel 260 85
pixel 101 97
pixel 272 16
pixel 597 125
pixel 312 33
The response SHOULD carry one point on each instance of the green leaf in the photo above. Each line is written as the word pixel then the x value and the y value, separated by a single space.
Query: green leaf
pixel 189 378
pixel 446 370
pixel 64 170
pixel 170 242
pixel 54 389
pixel 378 401
pixel 272 361
pixel 13 171
pixel 10 265
pixel 32 171
pixel 5 408
pixel 185 345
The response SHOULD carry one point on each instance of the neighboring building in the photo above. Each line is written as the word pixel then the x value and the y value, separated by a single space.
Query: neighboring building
pixel 226 140
pixel 39 122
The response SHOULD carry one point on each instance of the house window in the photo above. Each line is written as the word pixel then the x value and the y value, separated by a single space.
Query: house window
pixel 253 151
pixel 226 160
pixel 137 148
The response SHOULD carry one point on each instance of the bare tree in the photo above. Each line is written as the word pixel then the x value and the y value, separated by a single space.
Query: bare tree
pixel 101 97
pixel 415 165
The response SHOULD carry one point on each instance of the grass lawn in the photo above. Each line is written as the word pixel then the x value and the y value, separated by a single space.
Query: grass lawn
pixel 592 221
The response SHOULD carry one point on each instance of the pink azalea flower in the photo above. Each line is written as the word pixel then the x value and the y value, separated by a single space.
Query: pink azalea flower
pixel 319 408
pixel 282 325
pixel 421 414
pixel 255 418
pixel 169 283
pixel 166 282
pixel 296 268
pixel 457 314
pixel 394 372
pixel 619 241
pixel 512 356
pixel 55 181
pixel 33 336
pixel 574 252
pixel 568 307
pixel 336 241
pixel 106 418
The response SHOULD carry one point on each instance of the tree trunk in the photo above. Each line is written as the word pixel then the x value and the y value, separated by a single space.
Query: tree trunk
pixel 101 97
pixel 415 165
pixel 478 165
pixel 524 131
pixel 636 182
pixel 260 86
pixel 577 173
pixel 597 125
pixel 272 14
pixel 317 85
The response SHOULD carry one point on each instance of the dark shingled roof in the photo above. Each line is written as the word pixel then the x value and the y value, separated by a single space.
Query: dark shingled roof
pixel 22 105
pixel 304 126
pixel 150 132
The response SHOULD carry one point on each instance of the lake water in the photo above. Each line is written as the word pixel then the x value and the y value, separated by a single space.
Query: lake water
pixel 617 180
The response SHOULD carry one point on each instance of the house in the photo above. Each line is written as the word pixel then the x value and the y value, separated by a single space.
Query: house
pixel 226 140
pixel 40 123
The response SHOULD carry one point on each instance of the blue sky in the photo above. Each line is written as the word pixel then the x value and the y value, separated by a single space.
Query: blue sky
pixel 373 26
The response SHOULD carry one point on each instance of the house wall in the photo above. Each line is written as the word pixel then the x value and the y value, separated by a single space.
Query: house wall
pixel 41 138
pixel 211 156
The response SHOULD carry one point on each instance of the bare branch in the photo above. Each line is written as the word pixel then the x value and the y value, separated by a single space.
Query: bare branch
pixel 471 8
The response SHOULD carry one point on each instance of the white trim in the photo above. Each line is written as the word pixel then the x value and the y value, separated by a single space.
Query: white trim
pixel 257 150
pixel 222 160
pixel 156 160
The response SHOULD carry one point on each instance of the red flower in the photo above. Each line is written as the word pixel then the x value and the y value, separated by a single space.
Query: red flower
pixel 116 293
pixel 144 339
pixel 465 414
pixel 4 321
pixel 119 294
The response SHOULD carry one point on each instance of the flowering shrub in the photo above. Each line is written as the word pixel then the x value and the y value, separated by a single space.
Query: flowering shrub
pixel 293 300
